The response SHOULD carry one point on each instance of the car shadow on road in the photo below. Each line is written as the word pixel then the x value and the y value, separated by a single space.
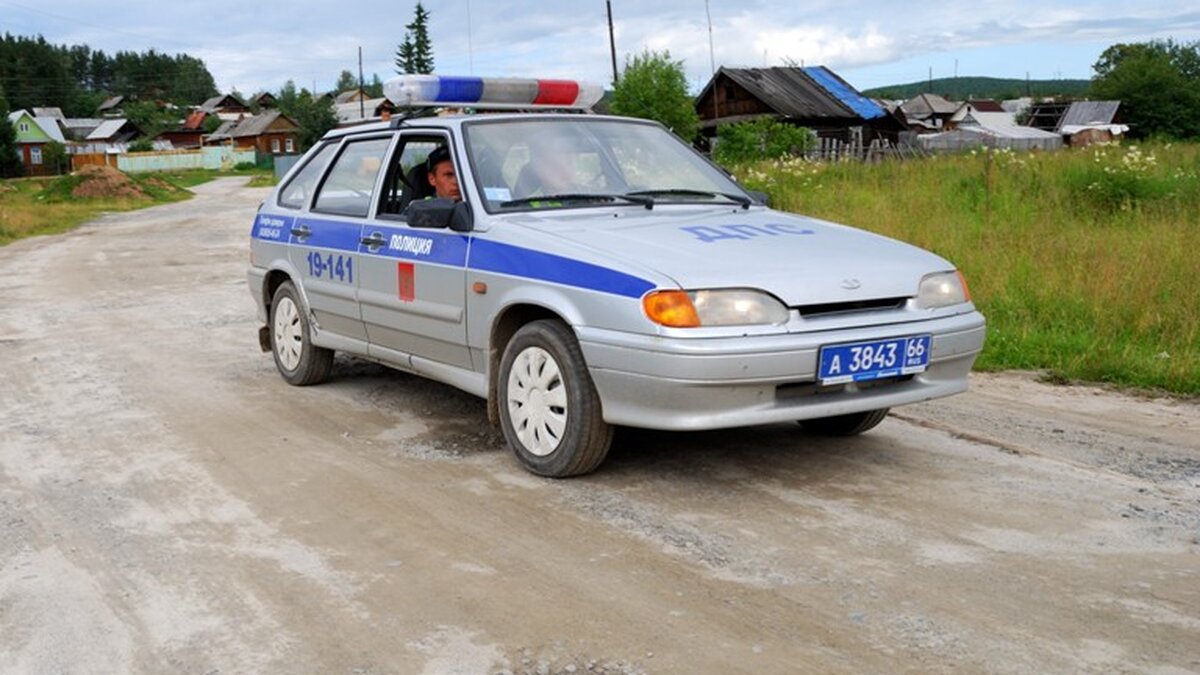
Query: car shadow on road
pixel 761 451
pixel 458 420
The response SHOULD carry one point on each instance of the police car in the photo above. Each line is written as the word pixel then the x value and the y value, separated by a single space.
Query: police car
pixel 591 271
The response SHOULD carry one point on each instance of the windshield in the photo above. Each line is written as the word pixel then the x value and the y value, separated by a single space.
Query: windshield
pixel 587 162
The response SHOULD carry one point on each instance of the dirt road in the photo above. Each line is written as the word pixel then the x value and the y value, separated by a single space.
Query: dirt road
pixel 168 504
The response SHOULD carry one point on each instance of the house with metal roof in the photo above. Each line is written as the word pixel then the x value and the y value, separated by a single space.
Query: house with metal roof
pixel 813 97
pixel 992 130
pixel 1087 122
pixel 33 135
pixel 226 106
pixel 113 131
pixel 78 128
pixel 55 113
pixel 928 112
pixel 350 96
pixel 981 112
pixel 266 100
pixel 1080 122
pixel 270 132
pixel 189 134
pixel 111 107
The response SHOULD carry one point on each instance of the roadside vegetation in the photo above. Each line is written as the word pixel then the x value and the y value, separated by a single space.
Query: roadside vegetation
pixel 34 206
pixel 1084 261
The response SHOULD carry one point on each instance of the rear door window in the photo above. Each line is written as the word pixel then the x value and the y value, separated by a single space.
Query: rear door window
pixel 349 187
pixel 296 193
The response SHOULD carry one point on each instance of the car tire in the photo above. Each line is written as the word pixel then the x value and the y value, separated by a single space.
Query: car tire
pixel 549 408
pixel 845 425
pixel 299 361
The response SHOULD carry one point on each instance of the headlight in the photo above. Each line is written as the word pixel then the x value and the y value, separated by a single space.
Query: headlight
pixel 942 290
pixel 725 307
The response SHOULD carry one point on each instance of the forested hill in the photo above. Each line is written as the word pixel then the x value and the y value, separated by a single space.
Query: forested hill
pixel 961 88
pixel 77 79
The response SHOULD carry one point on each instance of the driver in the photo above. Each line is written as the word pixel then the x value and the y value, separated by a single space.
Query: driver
pixel 440 170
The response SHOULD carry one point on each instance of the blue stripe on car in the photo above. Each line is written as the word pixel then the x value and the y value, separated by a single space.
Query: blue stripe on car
pixel 452 250
pixel 492 256
pixel 403 243
pixel 336 234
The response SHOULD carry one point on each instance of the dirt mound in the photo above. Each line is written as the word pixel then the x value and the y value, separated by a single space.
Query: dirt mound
pixel 105 181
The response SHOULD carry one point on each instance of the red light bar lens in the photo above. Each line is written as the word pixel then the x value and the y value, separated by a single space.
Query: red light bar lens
pixel 556 92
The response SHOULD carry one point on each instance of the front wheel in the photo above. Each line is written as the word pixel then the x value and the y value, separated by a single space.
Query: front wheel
pixel 299 361
pixel 550 411
pixel 845 425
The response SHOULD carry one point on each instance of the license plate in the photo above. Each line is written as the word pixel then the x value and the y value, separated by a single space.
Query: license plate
pixel 873 360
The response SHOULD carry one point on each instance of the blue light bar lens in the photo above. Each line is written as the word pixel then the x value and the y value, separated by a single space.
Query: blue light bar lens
pixel 459 89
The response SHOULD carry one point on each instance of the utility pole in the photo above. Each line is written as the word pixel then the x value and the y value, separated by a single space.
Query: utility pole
pixel 362 106
pixel 470 45
pixel 712 62
pixel 612 41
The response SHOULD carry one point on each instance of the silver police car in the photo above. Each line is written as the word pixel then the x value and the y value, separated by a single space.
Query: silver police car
pixel 582 271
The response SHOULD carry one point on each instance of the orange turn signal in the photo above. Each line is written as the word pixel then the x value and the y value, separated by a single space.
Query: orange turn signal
pixel 671 308
pixel 963 280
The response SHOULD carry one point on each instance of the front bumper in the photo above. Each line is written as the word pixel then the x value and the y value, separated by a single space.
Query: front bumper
pixel 693 384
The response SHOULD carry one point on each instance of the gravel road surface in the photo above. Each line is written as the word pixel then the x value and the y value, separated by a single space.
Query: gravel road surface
pixel 169 505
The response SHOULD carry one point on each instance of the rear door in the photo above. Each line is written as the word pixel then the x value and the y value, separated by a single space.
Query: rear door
pixel 325 241
pixel 413 291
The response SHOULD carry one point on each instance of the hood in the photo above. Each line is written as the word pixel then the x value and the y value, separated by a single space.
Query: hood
pixel 800 260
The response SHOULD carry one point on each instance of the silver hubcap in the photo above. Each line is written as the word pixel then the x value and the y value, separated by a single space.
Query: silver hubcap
pixel 537 401
pixel 289 339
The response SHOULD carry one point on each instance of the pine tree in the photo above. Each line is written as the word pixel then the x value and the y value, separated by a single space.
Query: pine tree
pixel 415 54
pixel 404 56
pixel 422 49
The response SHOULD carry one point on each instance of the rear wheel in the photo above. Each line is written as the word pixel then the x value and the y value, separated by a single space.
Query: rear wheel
pixel 299 361
pixel 845 425
pixel 550 411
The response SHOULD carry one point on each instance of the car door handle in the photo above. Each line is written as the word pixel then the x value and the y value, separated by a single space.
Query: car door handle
pixel 376 240
pixel 301 232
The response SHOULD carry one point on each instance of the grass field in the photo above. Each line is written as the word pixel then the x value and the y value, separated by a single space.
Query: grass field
pixel 1086 262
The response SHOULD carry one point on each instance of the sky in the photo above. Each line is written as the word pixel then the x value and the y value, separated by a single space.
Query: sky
pixel 259 45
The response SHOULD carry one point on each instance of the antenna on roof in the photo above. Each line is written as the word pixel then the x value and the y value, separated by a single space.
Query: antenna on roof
pixel 612 41
pixel 470 46
pixel 362 111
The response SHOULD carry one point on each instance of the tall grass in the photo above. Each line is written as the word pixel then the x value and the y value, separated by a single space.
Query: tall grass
pixel 1086 262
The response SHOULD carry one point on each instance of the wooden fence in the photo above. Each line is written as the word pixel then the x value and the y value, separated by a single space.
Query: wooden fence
pixel 878 150
pixel 92 159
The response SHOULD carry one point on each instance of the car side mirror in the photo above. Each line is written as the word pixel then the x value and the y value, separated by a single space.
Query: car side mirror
pixel 439 214
pixel 760 197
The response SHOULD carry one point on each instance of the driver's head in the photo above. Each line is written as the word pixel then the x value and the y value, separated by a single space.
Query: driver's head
pixel 441 174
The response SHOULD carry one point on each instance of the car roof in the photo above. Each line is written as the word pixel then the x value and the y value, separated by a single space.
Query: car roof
pixel 455 121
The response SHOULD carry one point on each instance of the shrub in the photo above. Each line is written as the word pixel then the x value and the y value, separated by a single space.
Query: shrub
pixel 764 138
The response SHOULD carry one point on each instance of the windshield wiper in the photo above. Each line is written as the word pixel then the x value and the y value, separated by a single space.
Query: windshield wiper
pixel 744 201
pixel 579 197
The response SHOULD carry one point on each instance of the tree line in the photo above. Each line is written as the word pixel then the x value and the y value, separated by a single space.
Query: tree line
pixel 76 78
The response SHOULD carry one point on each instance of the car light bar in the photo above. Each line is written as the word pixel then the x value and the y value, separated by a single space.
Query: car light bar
pixel 508 93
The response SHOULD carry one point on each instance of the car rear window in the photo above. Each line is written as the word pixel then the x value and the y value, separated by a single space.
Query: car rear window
pixel 350 185
pixel 296 193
